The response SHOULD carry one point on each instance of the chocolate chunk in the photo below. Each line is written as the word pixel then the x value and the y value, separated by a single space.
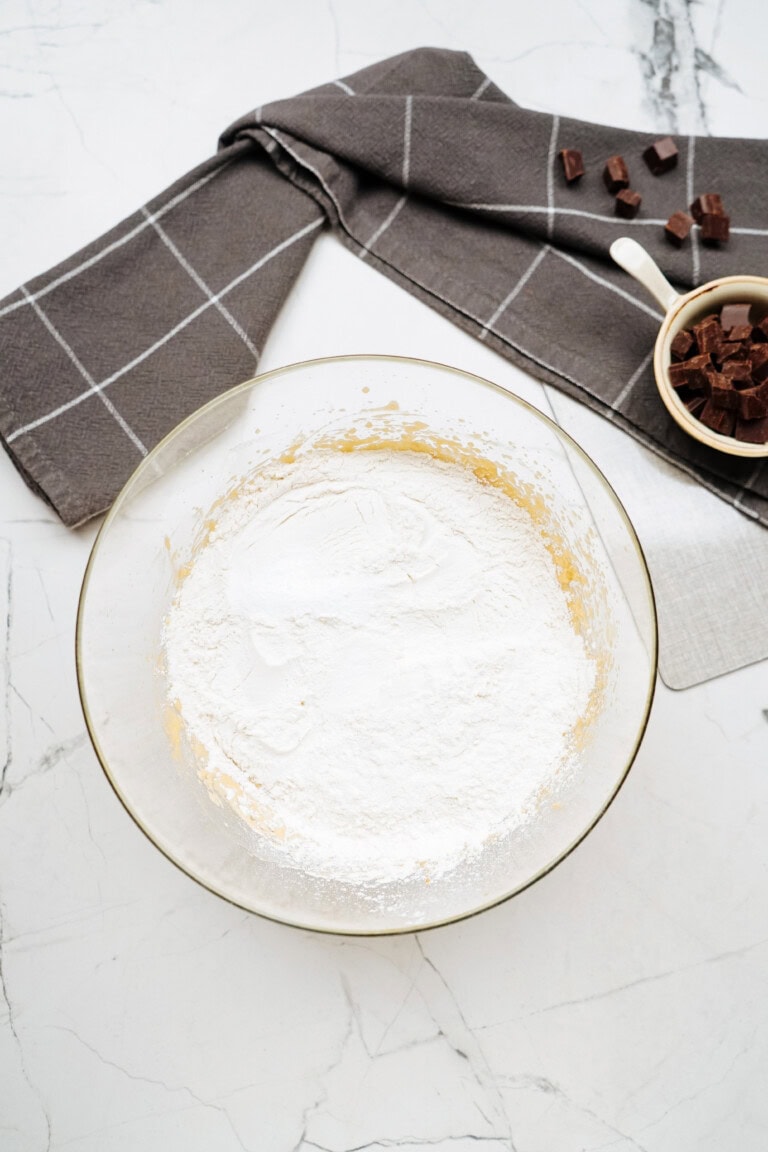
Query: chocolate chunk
pixel 759 359
pixel 715 228
pixel 689 372
pixel 720 420
pixel 677 228
pixel 573 165
pixel 697 366
pixel 729 350
pixel 735 315
pixel 696 404
pixel 752 431
pixel 615 174
pixel 679 375
pixel 682 344
pixel 722 392
pixel 739 332
pixel 627 204
pixel 739 371
pixel 661 156
pixel 753 403
pixel 760 330
pixel 708 334
pixel 685 394
pixel 709 203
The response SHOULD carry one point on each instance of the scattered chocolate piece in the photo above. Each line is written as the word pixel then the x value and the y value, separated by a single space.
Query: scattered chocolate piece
pixel 715 227
pixel 627 204
pixel 752 431
pixel 677 228
pixel 708 334
pixel 734 315
pixel 573 165
pixel 661 156
pixel 720 420
pixel 615 174
pixel 710 203
pixel 760 330
pixel 682 344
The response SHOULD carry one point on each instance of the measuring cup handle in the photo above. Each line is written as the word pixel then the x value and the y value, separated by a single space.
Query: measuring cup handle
pixel 633 258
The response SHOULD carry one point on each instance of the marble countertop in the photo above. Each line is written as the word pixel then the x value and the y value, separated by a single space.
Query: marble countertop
pixel 618 1004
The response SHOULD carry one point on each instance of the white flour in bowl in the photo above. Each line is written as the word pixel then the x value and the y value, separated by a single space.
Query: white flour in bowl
pixel 375 662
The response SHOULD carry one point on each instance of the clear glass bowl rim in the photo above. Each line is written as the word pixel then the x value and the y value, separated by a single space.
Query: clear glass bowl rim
pixel 223 398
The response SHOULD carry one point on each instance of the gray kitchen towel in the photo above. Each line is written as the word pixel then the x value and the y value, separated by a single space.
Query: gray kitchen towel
pixel 422 167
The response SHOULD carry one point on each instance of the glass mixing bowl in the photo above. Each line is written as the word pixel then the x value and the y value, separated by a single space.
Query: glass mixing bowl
pixel 133 574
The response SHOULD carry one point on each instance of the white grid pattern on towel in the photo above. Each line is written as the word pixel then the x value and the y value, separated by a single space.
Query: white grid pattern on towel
pixel 479 91
pixel 486 326
pixel 382 227
pixel 282 143
pixel 407 140
pixel 202 285
pixel 609 410
pixel 551 211
pixel 365 248
pixel 483 325
pixel 689 186
pixel 551 176
pixel 98 388
pixel 617 403
pixel 544 209
pixel 109 248
pixel 523 280
pixel 607 284
pixel 94 389
pixel 535 208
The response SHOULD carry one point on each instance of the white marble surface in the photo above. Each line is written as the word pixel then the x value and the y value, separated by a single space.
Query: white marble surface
pixel 619 1003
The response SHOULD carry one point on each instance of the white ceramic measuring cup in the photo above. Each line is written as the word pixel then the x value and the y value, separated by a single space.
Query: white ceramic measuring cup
pixel 682 311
